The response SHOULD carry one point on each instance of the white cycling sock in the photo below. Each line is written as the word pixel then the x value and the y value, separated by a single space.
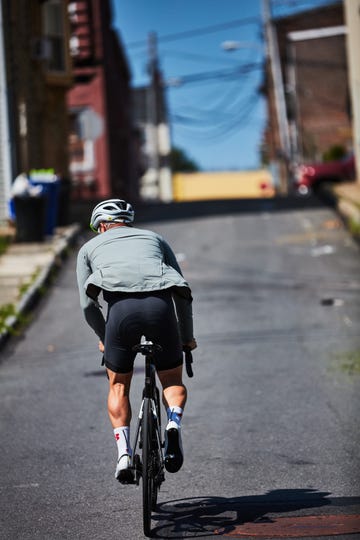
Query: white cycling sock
pixel 174 414
pixel 122 437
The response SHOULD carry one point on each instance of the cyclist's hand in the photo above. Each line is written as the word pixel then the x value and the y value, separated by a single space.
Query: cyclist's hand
pixel 101 347
pixel 191 345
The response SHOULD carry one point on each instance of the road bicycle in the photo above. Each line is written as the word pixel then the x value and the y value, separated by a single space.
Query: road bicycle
pixel 148 437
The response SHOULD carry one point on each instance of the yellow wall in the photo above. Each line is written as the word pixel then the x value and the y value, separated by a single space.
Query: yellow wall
pixel 222 185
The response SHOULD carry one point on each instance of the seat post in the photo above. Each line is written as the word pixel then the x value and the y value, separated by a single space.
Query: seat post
pixel 147 392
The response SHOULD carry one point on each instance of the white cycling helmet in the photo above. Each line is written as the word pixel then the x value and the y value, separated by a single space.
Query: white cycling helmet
pixel 112 210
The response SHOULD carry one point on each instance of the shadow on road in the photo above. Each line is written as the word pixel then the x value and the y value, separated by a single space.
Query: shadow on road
pixel 211 516
pixel 81 211
pixel 190 210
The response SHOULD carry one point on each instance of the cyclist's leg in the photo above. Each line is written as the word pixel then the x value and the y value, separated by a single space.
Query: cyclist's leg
pixel 119 410
pixel 119 407
pixel 119 359
pixel 174 396
pixel 174 390
pixel 122 332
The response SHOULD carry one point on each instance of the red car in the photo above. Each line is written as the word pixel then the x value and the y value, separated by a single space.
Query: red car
pixel 309 175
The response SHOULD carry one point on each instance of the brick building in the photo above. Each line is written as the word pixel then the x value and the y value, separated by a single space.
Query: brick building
pixel 38 75
pixel 102 144
pixel 312 49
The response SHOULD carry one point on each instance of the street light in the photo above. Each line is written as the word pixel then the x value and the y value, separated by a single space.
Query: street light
pixel 230 46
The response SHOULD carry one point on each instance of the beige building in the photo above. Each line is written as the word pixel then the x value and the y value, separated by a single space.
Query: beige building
pixel 222 185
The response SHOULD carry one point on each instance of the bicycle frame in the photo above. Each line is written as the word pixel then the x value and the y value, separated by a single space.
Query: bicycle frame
pixel 149 350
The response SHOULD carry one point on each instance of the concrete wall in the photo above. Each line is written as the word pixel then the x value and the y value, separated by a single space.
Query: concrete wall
pixel 352 11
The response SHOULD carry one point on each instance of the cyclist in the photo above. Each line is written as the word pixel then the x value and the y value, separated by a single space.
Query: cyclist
pixel 140 279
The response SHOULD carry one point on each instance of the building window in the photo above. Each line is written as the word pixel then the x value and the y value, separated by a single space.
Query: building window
pixel 53 27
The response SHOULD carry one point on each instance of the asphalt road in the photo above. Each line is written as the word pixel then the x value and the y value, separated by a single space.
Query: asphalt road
pixel 271 427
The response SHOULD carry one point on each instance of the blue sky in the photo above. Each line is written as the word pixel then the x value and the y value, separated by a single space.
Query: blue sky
pixel 217 115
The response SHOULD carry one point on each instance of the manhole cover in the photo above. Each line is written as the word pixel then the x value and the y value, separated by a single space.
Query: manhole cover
pixel 301 526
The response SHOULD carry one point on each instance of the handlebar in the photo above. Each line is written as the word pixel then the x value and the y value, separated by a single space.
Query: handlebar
pixel 188 361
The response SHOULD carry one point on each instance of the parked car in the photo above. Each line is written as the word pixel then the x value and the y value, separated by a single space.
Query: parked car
pixel 308 176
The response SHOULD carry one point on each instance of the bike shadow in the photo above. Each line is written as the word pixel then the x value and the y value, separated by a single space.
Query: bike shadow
pixel 212 516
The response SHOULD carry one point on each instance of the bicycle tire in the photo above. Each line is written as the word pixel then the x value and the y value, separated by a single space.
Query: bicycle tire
pixel 157 406
pixel 156 451
pixel 148 485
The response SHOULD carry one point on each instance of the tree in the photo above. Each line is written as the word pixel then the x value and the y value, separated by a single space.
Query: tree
pixel 180 162
pixel 334 153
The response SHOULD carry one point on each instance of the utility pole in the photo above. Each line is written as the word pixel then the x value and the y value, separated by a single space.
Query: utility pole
pixel 159 180
pixel 273 58
pixel 152 120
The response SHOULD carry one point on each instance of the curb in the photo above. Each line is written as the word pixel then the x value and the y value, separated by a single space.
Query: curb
pixel 346 208
pixel 29 298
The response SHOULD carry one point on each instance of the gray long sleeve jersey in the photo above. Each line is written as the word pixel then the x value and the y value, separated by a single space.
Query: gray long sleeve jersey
pixel 127 259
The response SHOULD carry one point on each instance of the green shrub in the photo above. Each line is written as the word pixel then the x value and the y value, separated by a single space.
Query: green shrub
pixel 334 153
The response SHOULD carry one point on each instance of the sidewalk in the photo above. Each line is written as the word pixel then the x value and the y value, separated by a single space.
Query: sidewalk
pixel 24 271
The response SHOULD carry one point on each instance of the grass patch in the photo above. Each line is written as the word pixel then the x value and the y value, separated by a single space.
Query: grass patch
pixel 4 243
pixel 349 362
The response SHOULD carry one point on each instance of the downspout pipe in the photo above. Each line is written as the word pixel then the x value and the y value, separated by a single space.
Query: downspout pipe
pixel 5 143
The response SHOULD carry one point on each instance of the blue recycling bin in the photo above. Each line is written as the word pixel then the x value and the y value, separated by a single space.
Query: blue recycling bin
pixel 50 187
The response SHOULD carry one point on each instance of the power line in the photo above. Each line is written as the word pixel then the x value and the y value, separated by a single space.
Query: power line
pixel 199 57
pixel 212 129
pixel 198 31
pixel 223 74
pixel 225 105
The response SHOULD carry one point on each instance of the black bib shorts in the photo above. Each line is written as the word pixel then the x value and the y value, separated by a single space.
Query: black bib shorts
pixel 133 315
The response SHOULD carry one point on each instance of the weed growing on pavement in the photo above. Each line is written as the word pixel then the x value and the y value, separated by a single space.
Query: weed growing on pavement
pixel 6 311
pixel 19 320
pixel 351 362
pixel 354 227
pixel 27 284
pixel 348 362
pixel 4 242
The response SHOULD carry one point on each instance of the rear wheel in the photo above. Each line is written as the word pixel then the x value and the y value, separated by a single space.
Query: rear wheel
pixel 148 466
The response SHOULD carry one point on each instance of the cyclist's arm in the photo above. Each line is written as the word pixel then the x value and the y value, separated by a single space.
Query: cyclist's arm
pixel 185 317
pixel 92 313
pixel 182 300
pixel 169 257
